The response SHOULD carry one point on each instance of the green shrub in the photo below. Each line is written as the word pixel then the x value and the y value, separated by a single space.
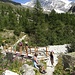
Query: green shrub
pixel 15 66
pixel 12 66
pixel 37 72
pixel 59 67
pixel 29 62
pixel 44 63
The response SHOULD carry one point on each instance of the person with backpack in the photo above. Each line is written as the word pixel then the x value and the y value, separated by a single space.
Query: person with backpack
pixel 51 57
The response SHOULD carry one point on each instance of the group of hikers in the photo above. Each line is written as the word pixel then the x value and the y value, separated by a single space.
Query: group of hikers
pixel 40 66
pixel 37 64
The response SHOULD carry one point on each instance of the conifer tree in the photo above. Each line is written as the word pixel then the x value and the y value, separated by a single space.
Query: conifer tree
pixel 37 9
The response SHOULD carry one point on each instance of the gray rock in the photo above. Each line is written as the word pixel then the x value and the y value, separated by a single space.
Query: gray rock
pixel 69 60
pixel 8 72
pixel 27 70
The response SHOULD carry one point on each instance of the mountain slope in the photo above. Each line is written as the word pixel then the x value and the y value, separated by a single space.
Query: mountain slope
pixel 72 9
pixel 60 6
pixel 9 1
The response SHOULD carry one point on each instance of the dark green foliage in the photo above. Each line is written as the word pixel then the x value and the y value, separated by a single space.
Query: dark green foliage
pixel 42 29
pixel 71 48
pixel 17 32
pixel 7 64
pixel 1 40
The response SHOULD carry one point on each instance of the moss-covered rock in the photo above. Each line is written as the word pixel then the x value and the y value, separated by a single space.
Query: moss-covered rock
pixel 69 60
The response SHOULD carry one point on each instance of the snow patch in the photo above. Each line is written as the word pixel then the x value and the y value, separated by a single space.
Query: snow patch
pixel 59 11
pixel 60 6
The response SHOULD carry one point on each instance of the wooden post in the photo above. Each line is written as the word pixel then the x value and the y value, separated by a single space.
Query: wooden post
pixel 26 48
pixel 36 49
pixel 30 50
pixel 46 51
pixel 11 49
pixel 15 50
pixel 4 48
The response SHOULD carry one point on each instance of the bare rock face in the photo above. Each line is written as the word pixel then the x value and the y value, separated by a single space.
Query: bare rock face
pixel 72 9
pixel 27 70
pixel 69 60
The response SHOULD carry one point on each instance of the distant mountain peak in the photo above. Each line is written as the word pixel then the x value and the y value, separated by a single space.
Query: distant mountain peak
pixel 60 6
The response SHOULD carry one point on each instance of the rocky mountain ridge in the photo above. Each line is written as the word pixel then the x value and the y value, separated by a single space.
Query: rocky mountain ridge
pixel 72 9
pixel 60 6
pixel 10 1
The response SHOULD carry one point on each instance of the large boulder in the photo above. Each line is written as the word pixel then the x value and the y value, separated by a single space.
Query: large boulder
pixel 69 60
pixel 8 72
pixel 27 70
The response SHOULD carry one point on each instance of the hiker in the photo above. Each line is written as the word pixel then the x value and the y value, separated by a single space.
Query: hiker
pixel 51 57
pixel 38 65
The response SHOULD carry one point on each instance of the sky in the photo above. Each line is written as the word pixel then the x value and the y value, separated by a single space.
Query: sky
pixel 24 1
pixel 21 1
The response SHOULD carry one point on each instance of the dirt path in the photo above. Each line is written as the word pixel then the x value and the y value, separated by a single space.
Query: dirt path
pixel 50 68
